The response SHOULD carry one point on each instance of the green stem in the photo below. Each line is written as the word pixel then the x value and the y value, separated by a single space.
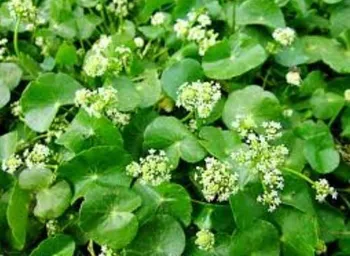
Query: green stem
pixel 146 48
pixel 15 37
pixel 187 117
pixel 299 174
pixel 90 248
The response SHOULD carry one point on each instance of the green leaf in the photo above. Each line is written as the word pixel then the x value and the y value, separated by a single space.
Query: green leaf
pixel 86 132
pixel 149 7
pixel 35 179
pixel 106 216
pixel 345 123
pixel 291 222
pixel 331 222
pixel 162 236
pixel 104 166
pixel 128 97
pixel 17 216
pixel 251 101
pixel 296 193
pixel 260 12
pixel 319 149
pixel 59 245
pixel 8 143
pixel 311 83
pixel 326 105
pixel 133 132
pixel 259 239
pixel 210 216
pixel 186 70
pixel 43 97
pixel 169 198
pixel 233 57
pixel 66 55
pixel 149 88
pixel 10 76
pixel 246 210
pixel 338 19
pixel 217 142
pixel 52 202
pixel 169 132
pixel 293 55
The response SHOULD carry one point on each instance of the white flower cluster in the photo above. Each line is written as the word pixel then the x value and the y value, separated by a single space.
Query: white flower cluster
pixel 97 62
pixel 284 36
pixel 120 8
pixel 52 227
pixel 199 96
pixel 195 29
pixel 24 10
pixel 217 180
pixel 12 163
pixel 263 158
pixel 101 102
pixel 158 19
pixel 105 251
pixel 293 78
pixel 3 48
pixel 205 240
pixel 38 156
pixel 323 189
pixel 57 128
pixel 154 169
pixel 139 42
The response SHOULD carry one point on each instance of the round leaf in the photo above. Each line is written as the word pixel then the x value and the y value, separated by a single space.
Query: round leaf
pixel 260 12
pixel 97 166
pixel 187 70
pixel 36 178
pixel 233 57
pixel 162 236
pixel 44 96
pixel 52 202
pixel 251 101
pixel 106 216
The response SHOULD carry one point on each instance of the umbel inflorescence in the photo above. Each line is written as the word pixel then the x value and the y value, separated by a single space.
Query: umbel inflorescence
pixel 195 29
pixel 102 101
pixel 264 157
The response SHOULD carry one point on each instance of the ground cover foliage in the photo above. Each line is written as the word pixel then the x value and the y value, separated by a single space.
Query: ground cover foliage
pixel 174 127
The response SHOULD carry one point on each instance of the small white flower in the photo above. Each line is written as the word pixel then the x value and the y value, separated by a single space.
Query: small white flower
pixel 52 227
pixel 284 36
pixel 95 65
pixel 217 180
pixel 139 42
pixel 158 19
pixel 196 33
pixel 181 28
pixel 12 163
pixel 199 96
pixel 293 78
pixel 117 117
pixel 205 240
pixel 16 109
pixel 23 9
pixel 204 20
pixel 347 95
pixel 154 169
pixel 288 112
pixel 39 155
pixel 106 251
pixel 323 189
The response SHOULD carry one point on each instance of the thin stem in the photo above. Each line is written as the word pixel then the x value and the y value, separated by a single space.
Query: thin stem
pixel 146 48
pixel 333 119
pixel 15 37
pixel 299 174
pixel 187 117
pixel 90 248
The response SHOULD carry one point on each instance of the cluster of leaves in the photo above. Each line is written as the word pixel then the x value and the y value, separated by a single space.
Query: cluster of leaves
pixel 81 198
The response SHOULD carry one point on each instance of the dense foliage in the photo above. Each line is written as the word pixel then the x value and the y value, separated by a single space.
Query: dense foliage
pixel 174 127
